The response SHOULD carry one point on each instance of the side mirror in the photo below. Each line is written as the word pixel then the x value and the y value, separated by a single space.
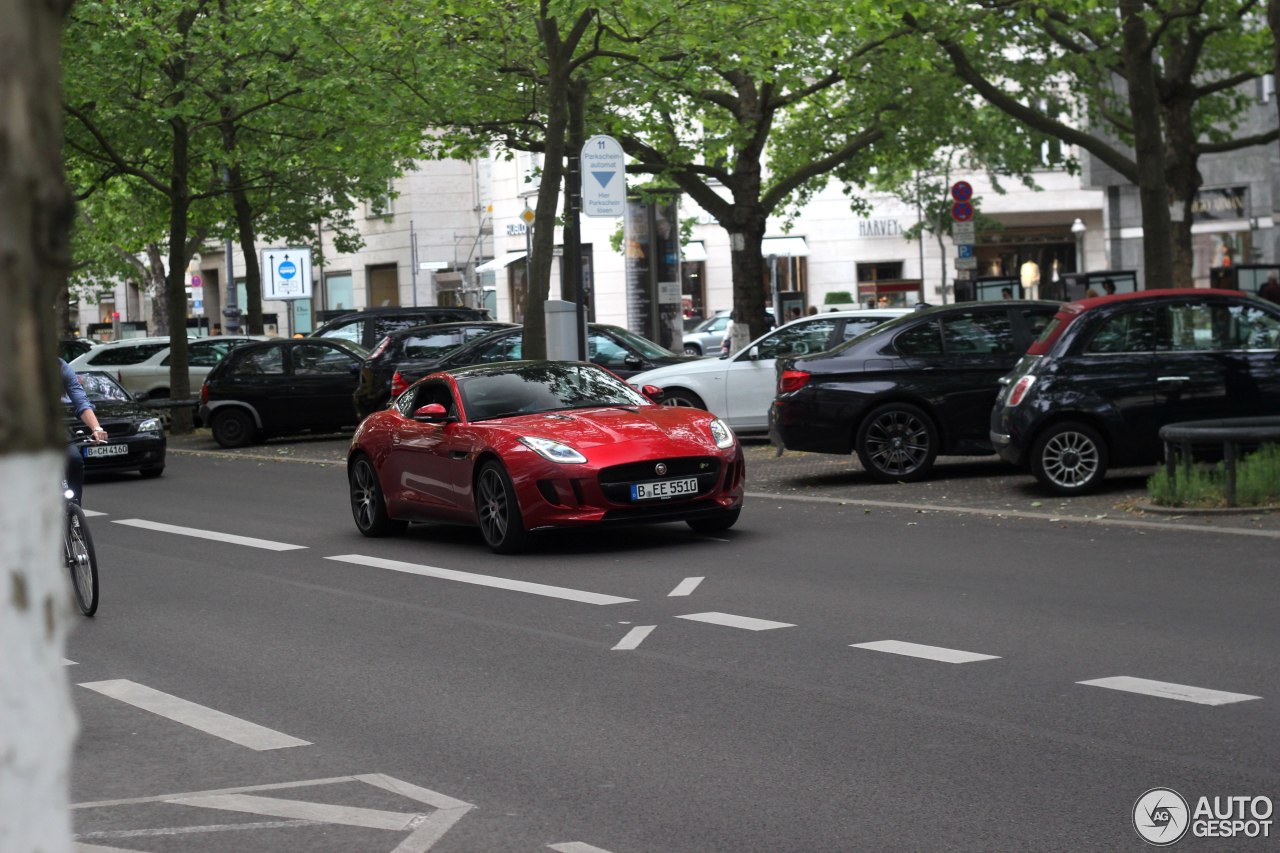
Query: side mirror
pixel 653 392
pixel 633 361
pixel 432 413
pixel 141 396
pixel 754 353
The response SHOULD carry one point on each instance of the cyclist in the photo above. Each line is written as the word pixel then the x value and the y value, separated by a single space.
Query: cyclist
pixel 84 410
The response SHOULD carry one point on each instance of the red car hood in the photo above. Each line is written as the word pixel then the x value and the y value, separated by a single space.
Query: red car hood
pixel 672 430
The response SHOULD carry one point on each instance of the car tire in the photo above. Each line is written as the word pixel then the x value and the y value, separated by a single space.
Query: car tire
pixel 692 349
pixel 368 504
pixel 498 510
pixel 233 428
pixel 152 472
pixel 681 397
pixel 715 523
pixel 897 442
pixel 1069 458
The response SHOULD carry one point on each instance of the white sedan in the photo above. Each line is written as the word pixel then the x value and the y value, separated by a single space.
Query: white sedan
pixel 141 365
pixel 739 388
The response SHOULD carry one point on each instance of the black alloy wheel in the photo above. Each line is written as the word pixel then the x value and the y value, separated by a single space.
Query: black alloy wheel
pixel 498 510
pixel 368 505
pixel 897 442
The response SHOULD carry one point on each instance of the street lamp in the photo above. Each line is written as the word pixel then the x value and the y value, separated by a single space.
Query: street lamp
pixel 1078 229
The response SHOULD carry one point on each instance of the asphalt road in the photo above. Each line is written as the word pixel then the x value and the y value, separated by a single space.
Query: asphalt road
pixel 852 667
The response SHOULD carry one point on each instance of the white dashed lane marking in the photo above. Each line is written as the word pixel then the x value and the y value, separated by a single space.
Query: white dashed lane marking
pixel 685 587
pixel 483 580
pixel 216 536
pixel 633 638
pixel 1168 690
pixel 198 717
pixel 916 650
pixel 729 620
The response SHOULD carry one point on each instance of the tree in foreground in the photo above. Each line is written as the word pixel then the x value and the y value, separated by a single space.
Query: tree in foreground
pixel 37 720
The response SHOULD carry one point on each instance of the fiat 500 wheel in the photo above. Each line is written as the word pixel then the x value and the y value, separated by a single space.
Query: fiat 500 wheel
pixel 498 511
pixel 897 442
pixel 1069 458
pixel 368 506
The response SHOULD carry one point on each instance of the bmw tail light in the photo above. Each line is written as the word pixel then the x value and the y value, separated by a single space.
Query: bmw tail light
pixel 1020 389
pixel 398 384
pixel 792 380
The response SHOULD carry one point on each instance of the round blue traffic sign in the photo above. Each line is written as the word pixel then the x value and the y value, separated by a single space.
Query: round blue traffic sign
pixel 287 269
pixel 962 211
pixel 962 191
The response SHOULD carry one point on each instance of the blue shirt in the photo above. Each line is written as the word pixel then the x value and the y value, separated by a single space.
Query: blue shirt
pixel 73 389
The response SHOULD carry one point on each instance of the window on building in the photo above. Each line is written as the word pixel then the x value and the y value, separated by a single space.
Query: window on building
pixel 339 292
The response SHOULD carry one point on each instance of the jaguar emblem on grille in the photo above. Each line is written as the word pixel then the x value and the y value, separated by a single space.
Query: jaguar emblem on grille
pixel 660 468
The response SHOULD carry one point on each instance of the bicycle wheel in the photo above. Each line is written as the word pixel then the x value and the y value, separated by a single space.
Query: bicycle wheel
pixel 81 562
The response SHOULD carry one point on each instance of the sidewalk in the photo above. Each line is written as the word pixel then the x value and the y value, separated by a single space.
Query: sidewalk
pixel 963 484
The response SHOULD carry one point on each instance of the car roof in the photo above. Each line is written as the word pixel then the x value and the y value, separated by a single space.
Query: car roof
pixel 452 324
pixel 153 339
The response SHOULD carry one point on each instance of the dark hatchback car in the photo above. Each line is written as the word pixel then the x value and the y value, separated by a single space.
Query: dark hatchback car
pixel 622 352
pixel 421 347
pixel 281 387
pixel 369 325
pixel 135 435
pixel 909 390
pixel 1107 373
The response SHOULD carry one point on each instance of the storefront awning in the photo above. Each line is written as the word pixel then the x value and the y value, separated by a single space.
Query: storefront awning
pixel 792 247
pixel 693 252
pixel 501 262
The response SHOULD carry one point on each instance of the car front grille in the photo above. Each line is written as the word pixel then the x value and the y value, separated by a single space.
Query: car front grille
pixel 615 483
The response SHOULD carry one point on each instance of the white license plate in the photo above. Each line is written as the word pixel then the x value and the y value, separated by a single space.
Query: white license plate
pixel 94 451
pixel 664 489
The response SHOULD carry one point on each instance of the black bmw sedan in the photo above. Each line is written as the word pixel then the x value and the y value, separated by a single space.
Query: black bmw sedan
pixel 909 390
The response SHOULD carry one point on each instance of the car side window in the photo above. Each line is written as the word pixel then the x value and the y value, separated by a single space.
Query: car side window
pixel 205 354
pixel 126 355
pixel 504 349
pixel 1255 328
pixel 924 339
pixel 1193 326
pixel 353 331
pixel 263 362
pixel 798 339
pixel 427 393
pixel 431 345
pixel 1131 331
pixel 978 333
pixel 855 326
pixel 1037 321
pixel 319 360
pixel 605 351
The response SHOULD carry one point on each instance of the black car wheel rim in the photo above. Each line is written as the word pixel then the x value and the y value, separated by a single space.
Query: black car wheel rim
pixel 898 443
pixel 1070 459
pixel 364 495
pixel 492 506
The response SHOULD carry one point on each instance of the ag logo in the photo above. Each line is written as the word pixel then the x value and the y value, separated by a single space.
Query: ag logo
pixel 1161 816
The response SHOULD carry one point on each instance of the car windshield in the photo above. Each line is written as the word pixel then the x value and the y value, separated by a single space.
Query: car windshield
pixel 644 346
pixel 356 350
pixel 101 388
pixel 543 387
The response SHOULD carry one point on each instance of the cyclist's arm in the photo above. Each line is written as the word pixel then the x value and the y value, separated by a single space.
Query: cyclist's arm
pixel 80 400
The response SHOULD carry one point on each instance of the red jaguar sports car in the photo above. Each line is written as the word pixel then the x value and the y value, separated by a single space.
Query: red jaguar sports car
pixel 522 446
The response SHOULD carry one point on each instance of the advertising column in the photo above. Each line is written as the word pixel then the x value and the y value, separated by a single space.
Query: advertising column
pixel 652 240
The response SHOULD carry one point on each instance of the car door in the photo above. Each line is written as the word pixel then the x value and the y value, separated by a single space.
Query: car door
pixel 1256 338
pixel 979 346
pixel 321 380
pixel 428 466
pixel 1198 361
pixel 749 377
pixel 257 377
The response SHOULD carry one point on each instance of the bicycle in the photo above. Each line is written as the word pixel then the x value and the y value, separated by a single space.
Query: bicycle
pixel 77 549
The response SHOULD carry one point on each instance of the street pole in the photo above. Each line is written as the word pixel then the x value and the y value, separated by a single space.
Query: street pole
pixel 231 307
pixel 573 244
pixel 413 261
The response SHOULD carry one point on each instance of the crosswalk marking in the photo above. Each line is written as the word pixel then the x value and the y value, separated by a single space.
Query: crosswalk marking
pixel 215 535
pixel 199 717
pixel 916 650
pixel 303 810
pixel 1168 690
pixel 578 595
pixel 729 620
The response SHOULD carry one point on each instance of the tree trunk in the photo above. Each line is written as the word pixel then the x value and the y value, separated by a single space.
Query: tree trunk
pixel 37 719
pixel 1153 189
pixel 155 283
pixel 746 244
pixel 176 286
pixel 248 246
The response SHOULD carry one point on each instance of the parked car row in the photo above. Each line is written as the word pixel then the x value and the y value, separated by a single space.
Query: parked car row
pixel 1090 393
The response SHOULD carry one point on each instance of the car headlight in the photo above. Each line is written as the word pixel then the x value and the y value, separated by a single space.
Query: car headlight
pixel 721 433
pixel 150 425
pixel 552 450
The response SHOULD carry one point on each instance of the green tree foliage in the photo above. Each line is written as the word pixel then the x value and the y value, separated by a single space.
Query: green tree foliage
pixel 1146 87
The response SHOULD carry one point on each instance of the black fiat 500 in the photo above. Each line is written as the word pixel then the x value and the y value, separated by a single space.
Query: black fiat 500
pixel 1094 390
pixel 908 390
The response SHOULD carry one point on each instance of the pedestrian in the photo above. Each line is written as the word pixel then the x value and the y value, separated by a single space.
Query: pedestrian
pixel 794 314
pixel 1108 287
pixel 1006 293
pixel 813 309
pixel 1270 291
pixel 79 400
pixel 726 345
